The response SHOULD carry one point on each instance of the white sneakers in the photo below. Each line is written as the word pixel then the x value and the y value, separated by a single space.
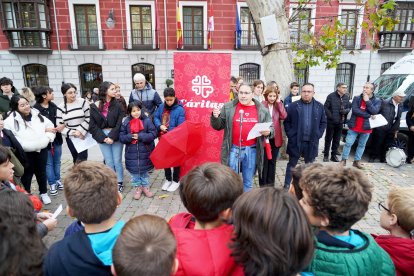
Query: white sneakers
pixel 45 199
pixel 170 186
pixel 53 190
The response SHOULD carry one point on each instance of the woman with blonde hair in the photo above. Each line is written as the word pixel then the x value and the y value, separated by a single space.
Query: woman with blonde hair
pixel 28 94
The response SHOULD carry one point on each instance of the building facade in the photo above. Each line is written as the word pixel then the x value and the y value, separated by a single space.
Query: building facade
pixel 47 42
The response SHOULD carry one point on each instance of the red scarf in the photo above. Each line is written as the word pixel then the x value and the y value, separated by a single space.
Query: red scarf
pixel 136 126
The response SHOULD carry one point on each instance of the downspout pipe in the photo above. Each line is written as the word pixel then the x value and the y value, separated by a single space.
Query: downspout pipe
pixel 58 43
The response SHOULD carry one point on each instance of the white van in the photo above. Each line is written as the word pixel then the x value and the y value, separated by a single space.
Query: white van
pixel 400 76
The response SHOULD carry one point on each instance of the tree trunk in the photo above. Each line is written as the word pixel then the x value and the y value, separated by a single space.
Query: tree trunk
pixel 277 63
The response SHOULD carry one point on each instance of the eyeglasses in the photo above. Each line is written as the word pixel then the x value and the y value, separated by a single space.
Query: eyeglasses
pixel 245 93
pixel 382 206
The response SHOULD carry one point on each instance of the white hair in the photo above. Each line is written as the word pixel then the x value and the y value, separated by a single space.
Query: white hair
pixel 139 77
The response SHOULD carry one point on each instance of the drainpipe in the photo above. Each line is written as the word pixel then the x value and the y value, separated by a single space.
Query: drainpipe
pixel 122 24
pixel 58 42
pixel 165 26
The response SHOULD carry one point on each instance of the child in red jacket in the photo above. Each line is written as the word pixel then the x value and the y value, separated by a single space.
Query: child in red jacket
pixel 397 217
pixel 203 237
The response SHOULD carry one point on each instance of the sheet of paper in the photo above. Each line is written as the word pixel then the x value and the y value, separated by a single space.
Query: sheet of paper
pixel 58 211
pixel 81 145
pixel 255 131
pixel 378 121
pixel 295 98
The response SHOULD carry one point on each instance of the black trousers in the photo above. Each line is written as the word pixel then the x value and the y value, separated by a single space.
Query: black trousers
pixel 175 174
pixel 36 165
pixel 383 139
pixel 333 134
pixel 77 157
pixel 267 177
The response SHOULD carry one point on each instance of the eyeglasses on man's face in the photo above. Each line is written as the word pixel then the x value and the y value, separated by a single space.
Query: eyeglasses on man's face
pixel 245 93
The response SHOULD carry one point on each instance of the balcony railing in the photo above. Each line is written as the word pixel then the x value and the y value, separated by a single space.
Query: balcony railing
pixel 83 40
pixel 142 40
pixel 32 40
pixel 194 40
pixel 246 40
pixel 396 40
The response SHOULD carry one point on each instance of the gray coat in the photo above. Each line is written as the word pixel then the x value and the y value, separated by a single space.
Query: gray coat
pixel 225 121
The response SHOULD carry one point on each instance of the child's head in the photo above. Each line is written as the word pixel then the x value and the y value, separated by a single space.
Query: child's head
pixel 169 96
pixel 134 109
pixel 272 234
pixel 43 94
pixel 146 246
pixel 6 167
pixel 399 214
pixel 210 190
pixel 91 191
pixel 335 197
pixel 297 172
pixel 21 247
pixel 294 88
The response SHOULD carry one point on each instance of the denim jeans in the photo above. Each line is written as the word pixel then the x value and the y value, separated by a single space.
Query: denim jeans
pixel 141 179
pixel 248 164
pixel 113 157
pixel 53 164
pixel 351 136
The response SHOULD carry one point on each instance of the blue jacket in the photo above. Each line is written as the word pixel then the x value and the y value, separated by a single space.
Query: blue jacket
pixel 177 116
pixel 148 97
pixel 293 128
pixel 137 156
pixel 373 107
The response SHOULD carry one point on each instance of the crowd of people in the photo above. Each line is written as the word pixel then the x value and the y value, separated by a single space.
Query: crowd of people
pixel 230 229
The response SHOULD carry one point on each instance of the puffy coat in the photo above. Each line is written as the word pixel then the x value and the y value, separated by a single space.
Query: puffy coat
pixel 148 97
pixel 337 107
pixel 279 114
pixel 99 122
pixel 51 114
pixel 177 116
pixel 137 155
pixel 203 252
pixel 373 107
pixel 31 135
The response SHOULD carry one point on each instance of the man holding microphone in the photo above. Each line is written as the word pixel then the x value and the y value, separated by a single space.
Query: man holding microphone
pixel 237 118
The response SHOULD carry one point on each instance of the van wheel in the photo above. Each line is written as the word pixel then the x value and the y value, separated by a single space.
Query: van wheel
pixel 402 142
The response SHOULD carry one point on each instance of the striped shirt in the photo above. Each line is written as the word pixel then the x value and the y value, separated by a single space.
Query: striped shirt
pixel 75 117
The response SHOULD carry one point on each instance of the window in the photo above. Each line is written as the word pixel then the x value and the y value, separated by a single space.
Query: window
pixel 345 73
pixel 86 26
pixel 301 74
pixel 193 27
pixel 248 38
pixel 90 76
pixel 401 37
pixel 26 24
pixel 249 72
pixel 301 26
pixel 147 70
pixel 141 27
pixel 349 20
pixel 35 75
pixel 385 66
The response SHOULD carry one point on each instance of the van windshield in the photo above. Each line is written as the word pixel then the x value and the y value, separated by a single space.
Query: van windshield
pixel 388 84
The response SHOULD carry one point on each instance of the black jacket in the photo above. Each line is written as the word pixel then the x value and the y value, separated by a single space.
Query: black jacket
pixel 336 108
pixel 17 148
pixel 388 111
pixel 50 113
pixel 113 120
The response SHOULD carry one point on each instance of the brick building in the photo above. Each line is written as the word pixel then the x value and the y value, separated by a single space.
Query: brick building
pixel 45 42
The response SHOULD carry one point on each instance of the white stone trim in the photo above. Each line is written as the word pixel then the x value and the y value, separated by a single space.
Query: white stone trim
pixel 196 4
pixel 361 11
pixel 129 3
pixel 71 3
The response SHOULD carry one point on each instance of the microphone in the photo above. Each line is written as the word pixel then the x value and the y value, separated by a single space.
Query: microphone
pixel 241 112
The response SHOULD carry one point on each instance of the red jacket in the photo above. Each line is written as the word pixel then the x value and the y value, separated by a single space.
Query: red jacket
pixel 279 113
pixel 203 252
pixel 401 251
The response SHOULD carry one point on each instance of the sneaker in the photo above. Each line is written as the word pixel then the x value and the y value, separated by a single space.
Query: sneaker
pixel 45 199
pixel 120 187
pixel 138 193
pixel 147 192
pixel 59 185
pixel 174 186
pixel 166 185
pixel 53 190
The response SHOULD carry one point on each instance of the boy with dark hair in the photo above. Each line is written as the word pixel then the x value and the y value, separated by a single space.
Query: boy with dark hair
pixel 7 90
pixel 294 91
pixel 209 192
pixel 145 247
pixel 91 192
pixel 168 116
pixel 334 199
pixel 297 172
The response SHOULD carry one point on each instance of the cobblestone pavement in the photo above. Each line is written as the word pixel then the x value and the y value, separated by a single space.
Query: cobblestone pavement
pixel 381 175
